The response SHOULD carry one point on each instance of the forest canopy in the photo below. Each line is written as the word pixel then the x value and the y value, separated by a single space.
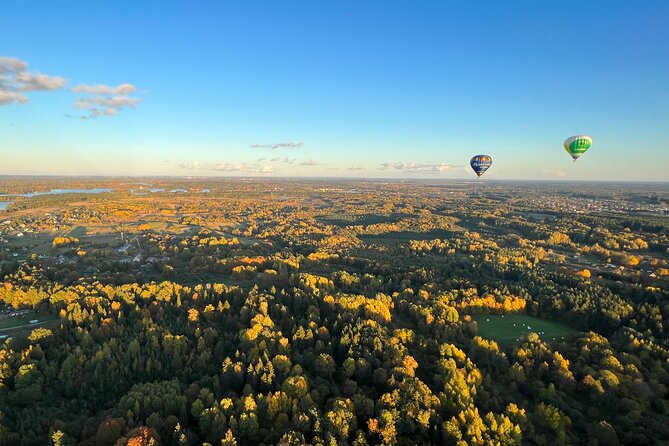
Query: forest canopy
pixel 305 313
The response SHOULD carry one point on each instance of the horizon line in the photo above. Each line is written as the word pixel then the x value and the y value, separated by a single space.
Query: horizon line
pixel 274 177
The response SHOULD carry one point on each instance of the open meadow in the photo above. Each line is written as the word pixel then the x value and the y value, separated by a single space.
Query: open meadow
pixel 511 328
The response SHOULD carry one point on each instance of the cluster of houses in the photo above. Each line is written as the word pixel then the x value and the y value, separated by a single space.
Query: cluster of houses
pixel 138 258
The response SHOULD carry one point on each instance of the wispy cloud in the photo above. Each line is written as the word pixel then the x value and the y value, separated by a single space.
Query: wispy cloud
pixel 82 117
pixel 16 80
pixel 254 169
pixel 8 97
pixel 285 159
pixel 123 89
pixel 105 100
pixel 416 167
pixel 98 100
pixel 354 168
pixel 280 145
pixel 242 168
pixel 309 163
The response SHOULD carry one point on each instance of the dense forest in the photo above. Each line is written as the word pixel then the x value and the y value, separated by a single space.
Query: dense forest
pixel 333 313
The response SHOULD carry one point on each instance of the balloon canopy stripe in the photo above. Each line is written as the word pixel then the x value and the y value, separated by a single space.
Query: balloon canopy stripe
pixel 577 145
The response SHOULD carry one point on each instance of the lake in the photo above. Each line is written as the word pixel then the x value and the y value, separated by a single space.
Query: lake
pixel 59 192
pixel 144 191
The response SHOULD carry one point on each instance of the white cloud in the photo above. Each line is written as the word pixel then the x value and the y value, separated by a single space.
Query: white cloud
pixel 98 100
pixel 106 106
pixel 123 89
pixel 15 80
pixel 354 168
pixel 105 100
pixel 7 97
pixel 229 168
pixel 226 167
pixel 416 167
pixel 241 168
pixel 12 65
pixel 280 145
pixel 39 82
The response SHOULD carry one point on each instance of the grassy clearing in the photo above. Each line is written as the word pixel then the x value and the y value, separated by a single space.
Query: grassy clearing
pixel 42 244
pixel 20 326
pixel 33 243
pixel 509 329
pixel 78 232
pixel 155 226
pixel 18 321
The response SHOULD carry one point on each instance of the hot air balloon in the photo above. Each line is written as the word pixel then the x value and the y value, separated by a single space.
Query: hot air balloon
pixel 480 163
pixel 577 145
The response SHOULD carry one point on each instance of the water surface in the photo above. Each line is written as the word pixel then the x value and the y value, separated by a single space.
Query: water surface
pixel 59 192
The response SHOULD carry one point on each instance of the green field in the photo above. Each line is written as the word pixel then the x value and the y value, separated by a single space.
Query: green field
pixel 509 329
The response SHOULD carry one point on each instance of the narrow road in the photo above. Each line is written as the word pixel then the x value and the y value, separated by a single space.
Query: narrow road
pixel 36 324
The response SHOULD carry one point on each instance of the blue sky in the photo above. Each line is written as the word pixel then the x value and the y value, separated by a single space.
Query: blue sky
pixel 344 88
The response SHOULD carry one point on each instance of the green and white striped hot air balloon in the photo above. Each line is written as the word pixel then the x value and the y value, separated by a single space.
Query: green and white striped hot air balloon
pixel 577 145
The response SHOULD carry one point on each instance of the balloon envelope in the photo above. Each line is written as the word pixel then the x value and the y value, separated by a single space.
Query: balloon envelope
pixel 577 145
pixel 480 163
